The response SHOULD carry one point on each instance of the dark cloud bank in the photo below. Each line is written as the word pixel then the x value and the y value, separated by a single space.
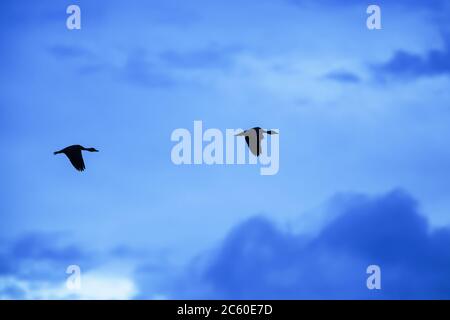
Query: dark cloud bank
pixel 257 260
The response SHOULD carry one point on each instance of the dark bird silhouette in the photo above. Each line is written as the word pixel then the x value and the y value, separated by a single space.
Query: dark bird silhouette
pixel 75 156
pixel 253 138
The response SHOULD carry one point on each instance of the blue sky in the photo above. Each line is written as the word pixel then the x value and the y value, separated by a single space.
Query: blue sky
pixel 363 117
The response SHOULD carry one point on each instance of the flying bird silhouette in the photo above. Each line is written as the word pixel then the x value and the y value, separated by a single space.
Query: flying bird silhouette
pixel 253 138
pixel 75 156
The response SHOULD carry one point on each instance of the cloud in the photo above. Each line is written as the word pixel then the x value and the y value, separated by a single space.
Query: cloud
pixel 34 267
pixel 97 285
pixel 146 70
pixel 404 64
pixel 431 4
pixel 33 255
pixel 138 70
pixel 69 51
pixel 45 247
pixel 94 285
pixel 343 76
pixel 206 58
pixel 258 260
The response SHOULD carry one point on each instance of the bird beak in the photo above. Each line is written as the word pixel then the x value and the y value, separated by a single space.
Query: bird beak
pixel 240 134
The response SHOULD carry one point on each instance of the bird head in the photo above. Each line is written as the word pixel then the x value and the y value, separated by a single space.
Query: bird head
pixel 91 149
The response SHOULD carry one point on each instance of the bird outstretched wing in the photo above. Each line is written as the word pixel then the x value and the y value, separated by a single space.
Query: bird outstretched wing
pixel 76 158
